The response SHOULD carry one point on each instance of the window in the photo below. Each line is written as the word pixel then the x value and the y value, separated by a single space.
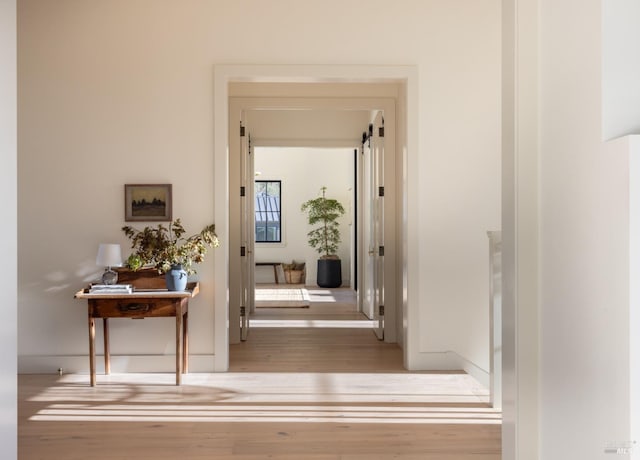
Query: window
pixel 268 214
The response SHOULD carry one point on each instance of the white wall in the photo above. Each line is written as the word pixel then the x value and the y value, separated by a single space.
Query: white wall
pixel 584 250
pixel 458 192
pixel 8 252
pixel 620 68
pixel 303 171
pixel 99 109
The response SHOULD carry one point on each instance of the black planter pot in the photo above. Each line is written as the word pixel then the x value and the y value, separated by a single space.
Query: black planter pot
pixel 329 273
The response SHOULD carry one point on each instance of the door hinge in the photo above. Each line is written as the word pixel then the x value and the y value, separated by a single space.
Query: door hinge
pixel 241 131
pixel 243 311
pixel 381 310
pixel 243 251
pixel 381 251
pixel 380 191
pixel 242 190
pixel 381 131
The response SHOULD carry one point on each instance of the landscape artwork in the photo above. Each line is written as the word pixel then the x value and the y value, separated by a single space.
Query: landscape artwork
pixel 147 202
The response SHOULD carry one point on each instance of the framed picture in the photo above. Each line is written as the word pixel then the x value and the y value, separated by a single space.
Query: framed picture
pixel 147 202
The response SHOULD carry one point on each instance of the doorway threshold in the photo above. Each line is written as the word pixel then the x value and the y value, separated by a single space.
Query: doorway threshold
pixel 314 323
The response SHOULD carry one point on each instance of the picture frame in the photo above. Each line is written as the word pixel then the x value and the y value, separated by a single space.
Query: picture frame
pixel 148 203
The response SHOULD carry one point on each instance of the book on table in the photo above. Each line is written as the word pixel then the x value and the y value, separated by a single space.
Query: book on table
pixel 111 289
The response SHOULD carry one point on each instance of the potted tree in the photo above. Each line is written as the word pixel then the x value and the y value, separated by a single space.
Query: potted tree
pixel 324 212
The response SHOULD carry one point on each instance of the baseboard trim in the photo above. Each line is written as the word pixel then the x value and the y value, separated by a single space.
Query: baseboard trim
pixel 450 361
pixel 79 364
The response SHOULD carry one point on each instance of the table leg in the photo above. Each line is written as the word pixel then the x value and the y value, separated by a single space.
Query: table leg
pixel 92 351
pixel 107 353
pixel 185 344
pixel 179 339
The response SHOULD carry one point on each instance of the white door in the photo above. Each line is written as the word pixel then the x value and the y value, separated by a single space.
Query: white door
pixel 247 233
pixel 365 285
pixel 372 292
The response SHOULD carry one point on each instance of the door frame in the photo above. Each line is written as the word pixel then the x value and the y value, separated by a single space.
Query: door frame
pixel 406 266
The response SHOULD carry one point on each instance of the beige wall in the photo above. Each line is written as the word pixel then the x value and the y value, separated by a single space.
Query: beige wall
pixel 122 92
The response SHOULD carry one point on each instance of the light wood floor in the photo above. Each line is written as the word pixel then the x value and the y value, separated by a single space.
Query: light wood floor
pixel 321 393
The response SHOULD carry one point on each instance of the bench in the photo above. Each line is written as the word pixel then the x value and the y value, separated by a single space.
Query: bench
pixel 275 268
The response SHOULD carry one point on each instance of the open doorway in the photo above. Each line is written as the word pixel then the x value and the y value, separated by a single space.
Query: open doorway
pixel 312 88
pixel 286 177
pixel 285 278
pixel 281 178
pixel 288 301
pixel 321 143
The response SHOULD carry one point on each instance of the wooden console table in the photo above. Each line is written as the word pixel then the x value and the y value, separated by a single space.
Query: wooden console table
pixel 141 303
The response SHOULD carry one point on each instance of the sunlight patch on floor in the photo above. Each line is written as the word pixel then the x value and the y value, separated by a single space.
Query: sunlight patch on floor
pixel 416 398
pixel 271 414
pixel 321 295
pixel 314 323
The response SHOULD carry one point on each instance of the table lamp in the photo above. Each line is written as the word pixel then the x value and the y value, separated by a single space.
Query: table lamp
pixel 109 255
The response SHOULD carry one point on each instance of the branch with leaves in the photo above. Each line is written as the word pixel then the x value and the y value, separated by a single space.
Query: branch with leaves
pixel 163 247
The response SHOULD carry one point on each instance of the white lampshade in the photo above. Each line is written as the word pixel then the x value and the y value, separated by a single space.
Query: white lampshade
pixel 109 255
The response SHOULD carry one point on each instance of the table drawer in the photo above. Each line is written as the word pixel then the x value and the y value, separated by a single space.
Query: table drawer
pixel 133 308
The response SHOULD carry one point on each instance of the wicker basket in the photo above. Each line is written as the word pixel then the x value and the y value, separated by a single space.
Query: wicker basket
pixel 294 273
pixel 294 276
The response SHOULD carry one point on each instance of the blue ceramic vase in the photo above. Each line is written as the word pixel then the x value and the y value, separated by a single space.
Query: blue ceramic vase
pixel 176 278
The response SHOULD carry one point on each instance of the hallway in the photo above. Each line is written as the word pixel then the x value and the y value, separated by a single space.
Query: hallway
pixel 328 336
